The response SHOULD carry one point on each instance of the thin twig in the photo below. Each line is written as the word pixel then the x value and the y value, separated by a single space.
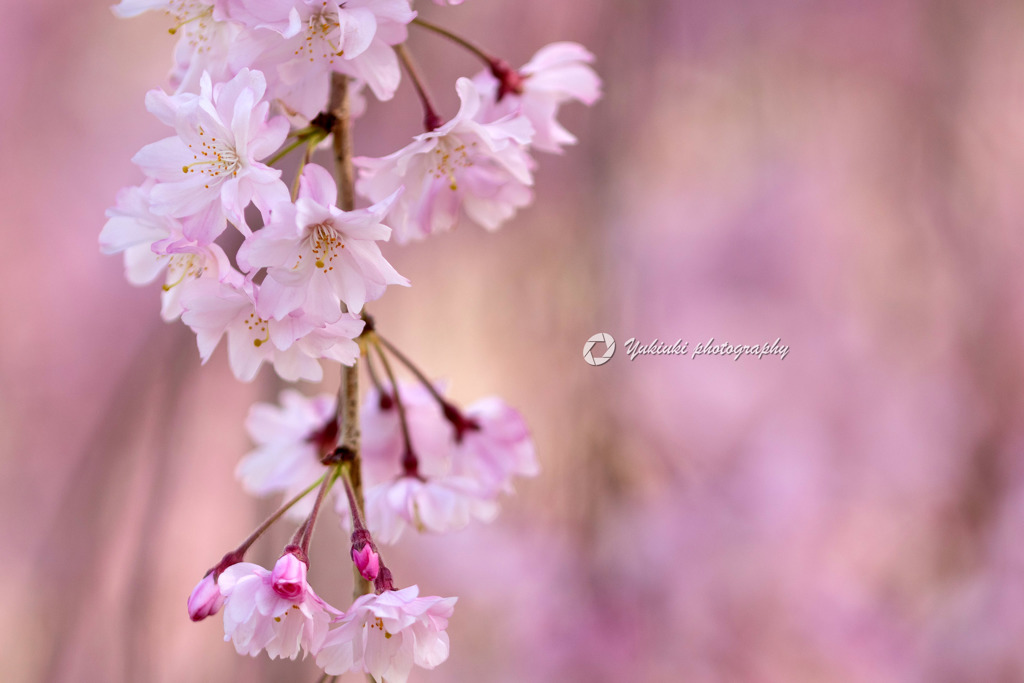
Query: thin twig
pixel 472 47
pixel 431 119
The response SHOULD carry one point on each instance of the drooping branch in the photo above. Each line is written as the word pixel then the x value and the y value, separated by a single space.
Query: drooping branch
pixel 348 392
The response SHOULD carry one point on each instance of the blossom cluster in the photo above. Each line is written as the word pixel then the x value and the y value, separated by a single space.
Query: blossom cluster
pixel 284 273
pixel 464 460
pixel 246 71
pixel 278 612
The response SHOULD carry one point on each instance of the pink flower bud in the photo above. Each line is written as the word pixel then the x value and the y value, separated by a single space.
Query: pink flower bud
pixel 367 562
pixel 205 600
pixel 289 577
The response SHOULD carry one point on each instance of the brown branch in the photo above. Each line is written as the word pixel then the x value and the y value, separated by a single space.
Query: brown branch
pixel 348 392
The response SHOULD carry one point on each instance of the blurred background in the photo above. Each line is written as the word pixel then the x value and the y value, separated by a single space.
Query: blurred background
pixel 842 175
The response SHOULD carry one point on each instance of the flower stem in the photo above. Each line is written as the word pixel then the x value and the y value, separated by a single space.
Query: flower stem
pixel 509 80
pixel 460 422
pixel 360 533
pixel 385 397
pixel 410 463
pixel 431 119
pixel 310 146
pixel 239 552
pixel 284 151
pixel 307 529
pixel 404 360
pixel 455 38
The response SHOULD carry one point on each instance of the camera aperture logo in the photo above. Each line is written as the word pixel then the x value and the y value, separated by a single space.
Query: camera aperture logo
pixel 609 348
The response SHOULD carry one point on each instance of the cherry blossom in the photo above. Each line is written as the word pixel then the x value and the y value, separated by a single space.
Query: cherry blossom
pixel 463 462
pixel 276 611
pixel 465 166
pixel 156 244
pixel 385 635
pixel 558 73
pixel 204 37
pixel 318 256
pixel 497 448
pixel 290 441
pixel 383 445
pixel 293 345
pixel 436 505
pixel 298 43
pixel 211 167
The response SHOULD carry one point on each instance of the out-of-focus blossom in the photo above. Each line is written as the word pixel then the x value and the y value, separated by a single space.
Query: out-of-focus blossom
pixel 437 505
pixel 276 611
pixel 317 255
pixel 558 73
pixel 385 635
pixel 497 448
pixel 211 168
pixel 204 37
pixel 465 166
pixel 460 470
pixel 290 440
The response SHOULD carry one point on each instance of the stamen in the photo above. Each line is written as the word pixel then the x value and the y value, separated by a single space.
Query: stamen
pixel 183 20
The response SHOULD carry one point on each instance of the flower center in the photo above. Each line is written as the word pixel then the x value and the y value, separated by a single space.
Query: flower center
pixel 450 155
pixel 324 243
pixel 193 15
pixel 378 624
pixel 317 41
pixel 214 158
pixel 258 326
pixel 181 266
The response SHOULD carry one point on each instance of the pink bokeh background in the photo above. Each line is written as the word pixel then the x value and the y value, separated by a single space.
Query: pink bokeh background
pixel 844 175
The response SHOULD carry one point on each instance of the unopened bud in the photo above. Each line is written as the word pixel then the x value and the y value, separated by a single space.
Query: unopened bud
pixel 289 576
pixel 367 562
pixel 206 599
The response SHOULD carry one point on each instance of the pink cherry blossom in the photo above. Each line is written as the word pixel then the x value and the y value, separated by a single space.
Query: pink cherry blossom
pixel 276 611
pixel 558 73
pixel 386 635
pixel 436 505
pixel 290 441
pixel 211 167
pixel 498 448
pixel 465 166
pixel 298 43
pixel 293 345
pixel 156 244
pixel 318 256
pixel 457 478
pixel 206 599
pixel 382 444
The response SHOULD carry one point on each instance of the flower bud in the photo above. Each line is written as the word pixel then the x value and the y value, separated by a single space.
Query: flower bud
pixel 289 576
pixel 205 600
pixel 367 562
